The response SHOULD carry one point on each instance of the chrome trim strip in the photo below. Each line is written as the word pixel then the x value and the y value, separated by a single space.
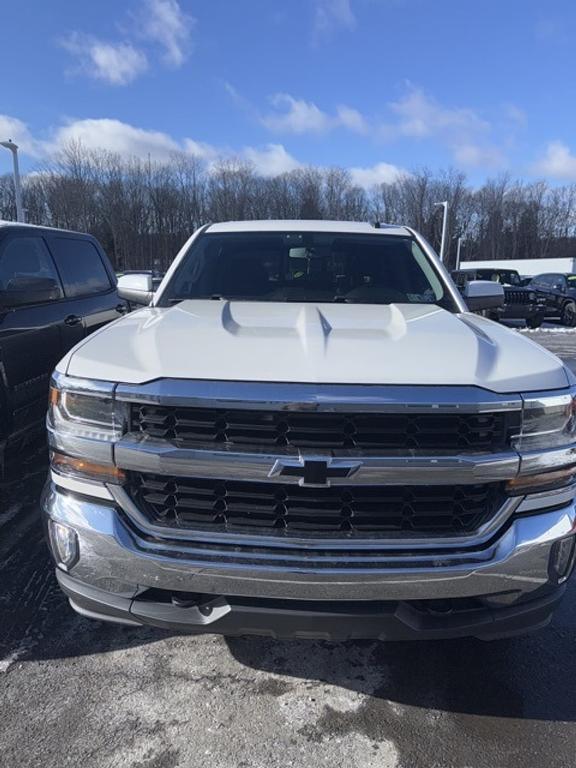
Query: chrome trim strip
pixel 318 397
pixel 348 545
pixel 540 401
pixel 533 462
pixel 163 458
pixel 84 487
pixel 545 499
pixel 98 451
pixel 95 387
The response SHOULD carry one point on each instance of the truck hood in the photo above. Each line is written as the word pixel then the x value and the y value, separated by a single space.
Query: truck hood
pixel 314 343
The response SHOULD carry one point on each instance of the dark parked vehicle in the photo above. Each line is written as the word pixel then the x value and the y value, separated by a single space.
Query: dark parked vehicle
pixel 560 291
pixel 56 287
pixel 520 302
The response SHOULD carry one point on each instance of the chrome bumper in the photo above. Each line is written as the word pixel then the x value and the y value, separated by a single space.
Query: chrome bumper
pixel 117 557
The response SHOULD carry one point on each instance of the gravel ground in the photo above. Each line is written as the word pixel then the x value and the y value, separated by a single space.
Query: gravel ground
pixel 80 693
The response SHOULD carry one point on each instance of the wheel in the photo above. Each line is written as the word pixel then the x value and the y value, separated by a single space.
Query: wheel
pixel 534 322
pixel 568 316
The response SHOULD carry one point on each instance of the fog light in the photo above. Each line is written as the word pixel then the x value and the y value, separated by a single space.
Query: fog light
pixel 64 544
pixel 562 559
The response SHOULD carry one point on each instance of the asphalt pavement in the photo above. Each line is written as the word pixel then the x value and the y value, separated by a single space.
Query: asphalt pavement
pixel 79 693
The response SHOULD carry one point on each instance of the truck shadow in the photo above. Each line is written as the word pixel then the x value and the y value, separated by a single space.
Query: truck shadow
pixel 530 677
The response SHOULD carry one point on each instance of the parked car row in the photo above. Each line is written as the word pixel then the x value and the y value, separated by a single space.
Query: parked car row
pixel 547 296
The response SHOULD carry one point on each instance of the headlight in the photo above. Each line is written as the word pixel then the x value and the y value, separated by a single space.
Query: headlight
pixel 77 410
pixel 549 421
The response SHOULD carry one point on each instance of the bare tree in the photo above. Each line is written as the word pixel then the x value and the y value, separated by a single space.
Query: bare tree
pixel 142 210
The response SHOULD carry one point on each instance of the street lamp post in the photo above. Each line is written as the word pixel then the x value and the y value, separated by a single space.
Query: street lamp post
pixel 444 228
pixel 459 246
pixel 17 189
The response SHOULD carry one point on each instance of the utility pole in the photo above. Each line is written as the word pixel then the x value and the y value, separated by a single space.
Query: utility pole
pixel 17 189
pixel 458 253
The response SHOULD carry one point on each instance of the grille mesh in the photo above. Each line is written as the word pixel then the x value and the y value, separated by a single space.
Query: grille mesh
pixel 367 431
pixel 513 296
pixel 284 509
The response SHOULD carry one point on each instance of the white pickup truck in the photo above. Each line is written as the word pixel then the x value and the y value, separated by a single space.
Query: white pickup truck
pixel 306 433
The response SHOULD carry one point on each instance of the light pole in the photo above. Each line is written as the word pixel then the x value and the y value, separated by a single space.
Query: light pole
pixel 444 226
pixel 17 189
pixel 459 246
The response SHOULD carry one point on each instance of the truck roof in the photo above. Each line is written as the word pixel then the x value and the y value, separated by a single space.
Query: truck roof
pixel 21 225
pixel 308 225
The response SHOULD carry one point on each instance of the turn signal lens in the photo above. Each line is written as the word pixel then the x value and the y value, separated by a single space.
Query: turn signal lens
pixel 543 481
pixel 70 465
pixel 54 396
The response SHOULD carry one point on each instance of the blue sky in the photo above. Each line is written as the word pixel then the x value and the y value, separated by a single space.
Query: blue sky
pixel 376 86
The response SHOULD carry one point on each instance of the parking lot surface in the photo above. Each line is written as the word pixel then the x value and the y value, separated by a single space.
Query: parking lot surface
pixel 80 693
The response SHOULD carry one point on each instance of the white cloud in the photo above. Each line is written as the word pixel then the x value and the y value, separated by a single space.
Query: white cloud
pixel 477 156
pixel 271 160
pixel 461 129
pixel 352 119
pixel 114 63
pixel 558 162
pixel 165 23
pixel 329 14
pixel 381 173
pixel 201 149
pixel 299 116
pixel 421 116
pixel 116 136
pixel 160 22
pixel 130 141
pixel 18 131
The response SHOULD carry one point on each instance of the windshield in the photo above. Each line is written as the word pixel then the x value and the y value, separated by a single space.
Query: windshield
pixel 571 281
pixel 309 267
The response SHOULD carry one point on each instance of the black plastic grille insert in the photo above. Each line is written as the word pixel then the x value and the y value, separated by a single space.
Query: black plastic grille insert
pixel 285 509
pixel 367 431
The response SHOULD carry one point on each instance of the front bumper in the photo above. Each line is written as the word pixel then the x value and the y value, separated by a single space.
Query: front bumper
pixel 500 587
pixel 325 620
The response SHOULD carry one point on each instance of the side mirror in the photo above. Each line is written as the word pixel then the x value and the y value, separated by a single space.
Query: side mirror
pixel 136 288
pixel 483 294
pixel 23 290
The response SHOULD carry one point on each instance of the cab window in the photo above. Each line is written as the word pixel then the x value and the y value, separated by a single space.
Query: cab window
pixel 80 265
pixel 27 272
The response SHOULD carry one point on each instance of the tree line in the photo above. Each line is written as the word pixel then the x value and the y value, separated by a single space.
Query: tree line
pixel 143 210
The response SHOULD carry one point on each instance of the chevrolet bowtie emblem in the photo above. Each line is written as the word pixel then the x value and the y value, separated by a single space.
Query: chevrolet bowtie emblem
pixel 314 471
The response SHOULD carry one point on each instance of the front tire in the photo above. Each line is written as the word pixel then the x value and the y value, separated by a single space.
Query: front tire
pixel 568 317
pixel 533 322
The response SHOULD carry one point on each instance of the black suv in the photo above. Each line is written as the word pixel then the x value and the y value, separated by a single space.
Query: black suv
pixel 520 302
pixel 55 288
pixel 560 291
